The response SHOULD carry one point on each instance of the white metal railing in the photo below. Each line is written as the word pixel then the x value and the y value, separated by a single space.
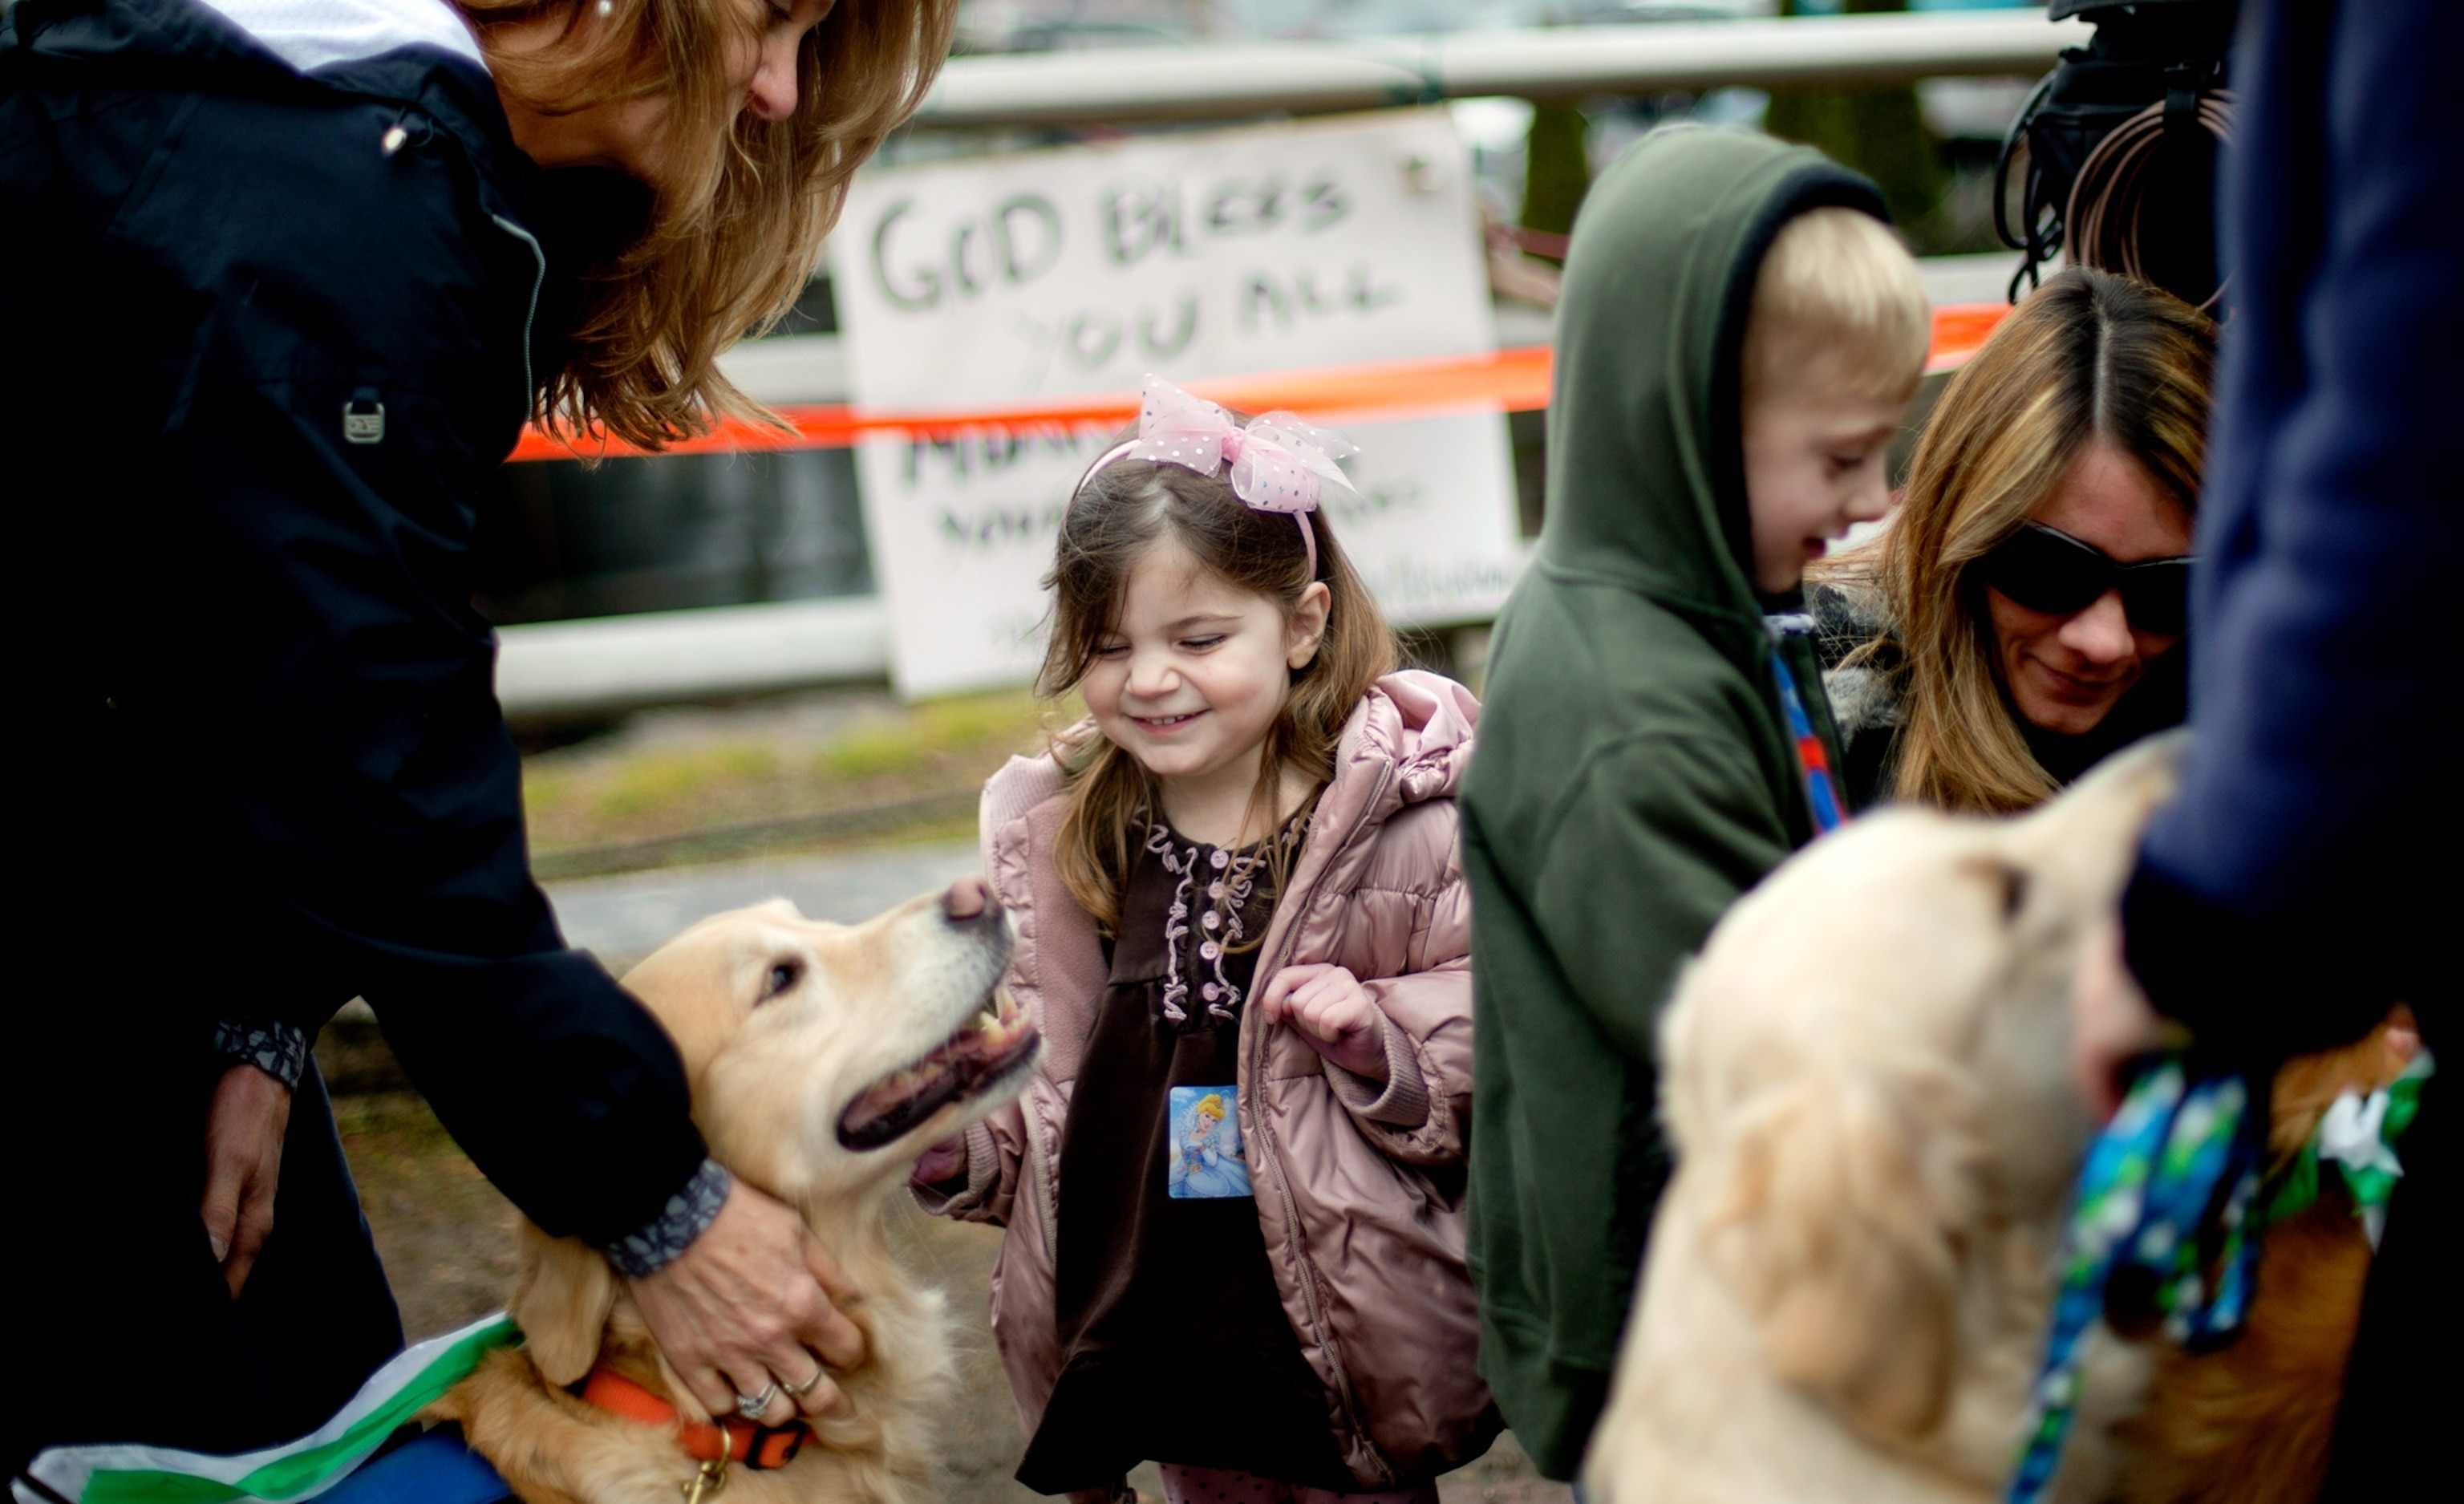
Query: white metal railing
pixel 657 657
pixel 1182 83
pixel 610 663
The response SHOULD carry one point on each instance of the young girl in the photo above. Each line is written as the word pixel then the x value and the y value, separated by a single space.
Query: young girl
pixel 1235 887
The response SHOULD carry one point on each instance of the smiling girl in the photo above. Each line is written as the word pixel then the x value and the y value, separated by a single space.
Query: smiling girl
pixel 1235 883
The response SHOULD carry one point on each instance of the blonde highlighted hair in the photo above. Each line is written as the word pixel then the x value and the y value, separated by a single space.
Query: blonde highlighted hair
pixel 1112 523
pixel 2090 357
pixel 737 225
pixel 1838 296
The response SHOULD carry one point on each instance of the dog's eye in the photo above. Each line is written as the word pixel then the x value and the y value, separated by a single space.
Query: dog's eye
pixel 2006 881
pixel 783 975
pixel 2015 891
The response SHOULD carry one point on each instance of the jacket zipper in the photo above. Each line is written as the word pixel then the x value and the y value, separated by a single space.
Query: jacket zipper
pixel 1310 1296
pixel 538 281
pixel 1046 1187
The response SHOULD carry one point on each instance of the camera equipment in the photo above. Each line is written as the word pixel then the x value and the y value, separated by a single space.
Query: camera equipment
pixel 2114 155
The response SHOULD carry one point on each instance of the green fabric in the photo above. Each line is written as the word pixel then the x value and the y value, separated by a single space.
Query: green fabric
pixel 135 1473
pixel 1633 775
pixel 2294 1189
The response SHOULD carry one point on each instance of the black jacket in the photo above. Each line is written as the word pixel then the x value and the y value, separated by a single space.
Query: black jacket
pixel 2307 877
pixel 265 336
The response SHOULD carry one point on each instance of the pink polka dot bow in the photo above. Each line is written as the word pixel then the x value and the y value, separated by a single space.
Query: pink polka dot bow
pixel 1278 462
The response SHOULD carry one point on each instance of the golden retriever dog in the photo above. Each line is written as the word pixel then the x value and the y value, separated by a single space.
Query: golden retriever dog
pixel 822 1060
pixel 1851 1274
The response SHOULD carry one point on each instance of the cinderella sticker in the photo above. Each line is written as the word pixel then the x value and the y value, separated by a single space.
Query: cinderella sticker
pixel 1205 1162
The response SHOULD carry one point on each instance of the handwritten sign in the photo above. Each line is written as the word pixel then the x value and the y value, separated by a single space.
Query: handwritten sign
pixel 1083 269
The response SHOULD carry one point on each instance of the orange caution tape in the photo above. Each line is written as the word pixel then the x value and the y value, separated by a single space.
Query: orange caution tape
pixel 1959 331
pixel 1509 381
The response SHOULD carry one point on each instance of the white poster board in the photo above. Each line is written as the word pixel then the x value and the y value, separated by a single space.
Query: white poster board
pixel 1079 269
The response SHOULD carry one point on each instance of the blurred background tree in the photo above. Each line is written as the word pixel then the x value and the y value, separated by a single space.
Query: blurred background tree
pixel 1878 131
pixel 1557 167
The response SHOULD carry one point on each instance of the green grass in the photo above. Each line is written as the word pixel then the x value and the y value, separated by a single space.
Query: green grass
pixel 657 780
pixel 582 799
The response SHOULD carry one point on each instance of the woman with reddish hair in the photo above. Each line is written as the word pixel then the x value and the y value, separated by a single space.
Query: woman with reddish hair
pixel 282 281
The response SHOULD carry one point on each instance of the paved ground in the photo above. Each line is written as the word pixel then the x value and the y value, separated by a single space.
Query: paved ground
pixel 625 918
pixel 446 1236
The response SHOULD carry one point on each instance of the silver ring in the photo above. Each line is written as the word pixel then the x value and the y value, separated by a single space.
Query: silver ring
pixel 750 1405
pixel 796 1391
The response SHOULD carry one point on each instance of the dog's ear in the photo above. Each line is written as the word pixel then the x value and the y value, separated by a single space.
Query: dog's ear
pixel 1841 1233
pixel 562 1303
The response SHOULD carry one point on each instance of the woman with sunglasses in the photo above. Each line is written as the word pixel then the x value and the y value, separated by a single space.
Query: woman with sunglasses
pixel 2022 614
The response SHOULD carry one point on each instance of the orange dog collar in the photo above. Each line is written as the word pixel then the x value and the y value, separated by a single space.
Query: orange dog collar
pixel 756 1446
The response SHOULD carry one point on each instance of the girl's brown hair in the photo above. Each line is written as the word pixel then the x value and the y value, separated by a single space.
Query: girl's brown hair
pixel 1116 517
pixel 2089 356
pixel 737 226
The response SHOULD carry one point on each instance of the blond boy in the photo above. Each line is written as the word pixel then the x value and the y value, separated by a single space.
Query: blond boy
pixel 1739 339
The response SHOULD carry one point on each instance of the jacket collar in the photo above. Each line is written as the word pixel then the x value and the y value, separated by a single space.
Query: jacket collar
pixel 310 36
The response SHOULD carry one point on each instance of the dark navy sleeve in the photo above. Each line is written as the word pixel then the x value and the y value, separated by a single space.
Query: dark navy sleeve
pixel 356 369
pixel 2298 885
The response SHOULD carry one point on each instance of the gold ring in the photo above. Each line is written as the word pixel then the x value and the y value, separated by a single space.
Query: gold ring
pixel 796 1391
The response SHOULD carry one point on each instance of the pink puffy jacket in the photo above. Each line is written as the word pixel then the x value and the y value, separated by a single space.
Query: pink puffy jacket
pixel 1360 1187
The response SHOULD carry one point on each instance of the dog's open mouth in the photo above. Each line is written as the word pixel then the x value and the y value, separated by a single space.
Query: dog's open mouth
pixel 996 1041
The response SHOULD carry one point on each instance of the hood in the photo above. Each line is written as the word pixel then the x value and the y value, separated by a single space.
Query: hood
pixel 1417 723
pixel 1646 465
pixel 414 52
pixel 330 31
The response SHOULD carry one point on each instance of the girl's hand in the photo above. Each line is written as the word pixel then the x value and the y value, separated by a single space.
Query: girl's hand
pixel 1327 1007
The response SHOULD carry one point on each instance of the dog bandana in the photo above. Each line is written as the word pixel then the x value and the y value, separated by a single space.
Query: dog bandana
pixel 2357 1135
pixel 2170 1198
pixel 2166 1194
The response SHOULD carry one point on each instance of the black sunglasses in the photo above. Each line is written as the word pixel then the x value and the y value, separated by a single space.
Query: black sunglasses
pixel 2045 569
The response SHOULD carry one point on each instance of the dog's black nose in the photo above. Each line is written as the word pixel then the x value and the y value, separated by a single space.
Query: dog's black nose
pixel 968 898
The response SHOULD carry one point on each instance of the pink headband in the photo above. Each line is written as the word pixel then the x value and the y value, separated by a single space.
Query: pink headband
pixel 1278 462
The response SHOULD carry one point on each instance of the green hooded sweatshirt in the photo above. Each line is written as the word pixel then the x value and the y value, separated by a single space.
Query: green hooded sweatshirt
pixel 1635 774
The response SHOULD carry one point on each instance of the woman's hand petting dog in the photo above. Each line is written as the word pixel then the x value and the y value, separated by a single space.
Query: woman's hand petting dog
pixel 749 1304
pixel 1331 1009
pixel 244 1131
